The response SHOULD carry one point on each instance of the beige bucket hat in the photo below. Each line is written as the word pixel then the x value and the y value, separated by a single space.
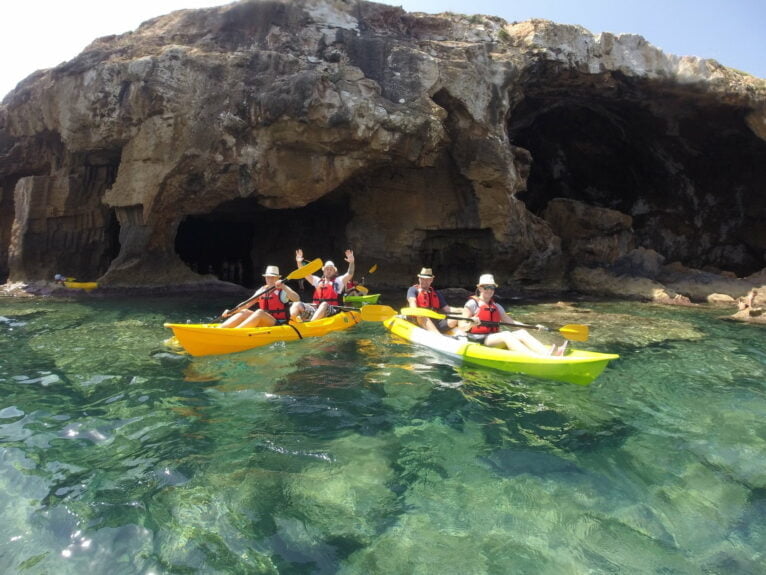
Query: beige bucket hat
pixel 272 271
pixel 426 273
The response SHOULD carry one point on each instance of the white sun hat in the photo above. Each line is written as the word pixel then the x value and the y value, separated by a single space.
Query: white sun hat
pixel 487 280
pixel 272 271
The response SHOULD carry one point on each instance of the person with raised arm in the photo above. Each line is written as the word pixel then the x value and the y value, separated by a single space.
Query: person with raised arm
pixel 328 290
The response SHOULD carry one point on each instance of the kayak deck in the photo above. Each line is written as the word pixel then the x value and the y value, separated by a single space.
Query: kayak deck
pixel 210 339
pixel 577 366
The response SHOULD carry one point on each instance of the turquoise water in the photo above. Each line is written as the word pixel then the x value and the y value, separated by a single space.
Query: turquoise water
pixel 358 453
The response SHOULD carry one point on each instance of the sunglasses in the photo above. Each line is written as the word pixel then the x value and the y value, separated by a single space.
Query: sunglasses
pixel 487 287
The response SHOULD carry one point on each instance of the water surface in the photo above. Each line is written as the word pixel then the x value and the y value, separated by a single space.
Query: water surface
pixel 359 453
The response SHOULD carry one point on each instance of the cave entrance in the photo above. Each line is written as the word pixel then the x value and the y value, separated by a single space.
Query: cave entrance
pixel 457 254
pixel 684 165
pixel 239 238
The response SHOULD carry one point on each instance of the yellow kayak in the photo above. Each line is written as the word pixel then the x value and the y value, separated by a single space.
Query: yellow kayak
pixel 210 339
pixel 87 286
pixel 577 366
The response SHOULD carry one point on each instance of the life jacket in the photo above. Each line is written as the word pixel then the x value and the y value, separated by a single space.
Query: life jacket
pixel 272 303
pixel 486 312
pixel 325 291
pixel 427 298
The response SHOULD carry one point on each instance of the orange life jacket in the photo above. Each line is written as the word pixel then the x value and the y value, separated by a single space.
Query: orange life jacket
pixel 427 298
pixel 486 312
pixel 325 291
pixel 272 303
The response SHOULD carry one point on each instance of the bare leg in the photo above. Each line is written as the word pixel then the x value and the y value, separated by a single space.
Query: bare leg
pixel 321 311
pixel 258 318
pixel 237 318
pixel 532 342
pixel 296 310
pixel 427 324
pixel 519 340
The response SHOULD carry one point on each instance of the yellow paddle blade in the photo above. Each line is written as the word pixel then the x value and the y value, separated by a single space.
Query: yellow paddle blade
pixel 305 270
pixel 422 312
pixel 372 312
pixel 361 289
pixel 575 332
pixel 372 269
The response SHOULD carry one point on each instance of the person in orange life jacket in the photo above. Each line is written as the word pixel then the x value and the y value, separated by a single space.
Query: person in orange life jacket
pixel 482 307
pixel 422 294
pixel 272 306
pixel 328 290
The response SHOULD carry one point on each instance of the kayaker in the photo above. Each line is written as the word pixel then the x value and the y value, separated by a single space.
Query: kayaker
pixel 351 288
pixel 483 308
pixel 328 289
pixel 423 294
pixel 272 299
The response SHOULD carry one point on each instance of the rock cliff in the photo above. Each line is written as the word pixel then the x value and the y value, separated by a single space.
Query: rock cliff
pixel 216 141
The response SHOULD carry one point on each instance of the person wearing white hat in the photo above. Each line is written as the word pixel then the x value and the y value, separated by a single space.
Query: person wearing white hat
pixel 423 294
pixel 328 289
pixel 482 307
pixel 272 299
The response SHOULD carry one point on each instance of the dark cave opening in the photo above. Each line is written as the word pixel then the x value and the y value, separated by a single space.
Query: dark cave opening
pixel 238 239
pixel 685 167
pixel 112 243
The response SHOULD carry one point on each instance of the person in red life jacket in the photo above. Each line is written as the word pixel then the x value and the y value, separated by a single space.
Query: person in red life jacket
pixel 272 299
pixel 483 308
pixel 351 288
pixel 328 290
pixel 423 294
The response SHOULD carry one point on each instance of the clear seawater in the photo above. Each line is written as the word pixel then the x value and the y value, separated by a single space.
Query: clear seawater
pixel 359 453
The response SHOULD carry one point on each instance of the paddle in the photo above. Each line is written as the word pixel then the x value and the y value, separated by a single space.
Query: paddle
pixel 573 331
pixel 372 312
pixel 300 273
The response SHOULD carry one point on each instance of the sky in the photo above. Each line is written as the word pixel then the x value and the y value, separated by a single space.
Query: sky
pixel 41 34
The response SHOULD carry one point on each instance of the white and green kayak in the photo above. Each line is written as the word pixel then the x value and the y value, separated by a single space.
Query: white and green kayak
pixel 577 366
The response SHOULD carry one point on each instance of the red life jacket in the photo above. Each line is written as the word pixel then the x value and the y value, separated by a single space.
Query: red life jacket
pixel 427 298
pixel 272 303
pixel 325 291
pixel 487 312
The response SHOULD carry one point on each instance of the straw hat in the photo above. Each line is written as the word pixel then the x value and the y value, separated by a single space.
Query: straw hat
pixel 426 273
pixel 272 271
pixel 487 280
pixel 329 264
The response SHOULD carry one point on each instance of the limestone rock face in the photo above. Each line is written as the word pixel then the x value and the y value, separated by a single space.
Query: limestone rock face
pixel 590 235
pixel 224 138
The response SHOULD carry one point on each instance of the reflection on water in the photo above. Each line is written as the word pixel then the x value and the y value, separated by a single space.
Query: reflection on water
pixel 359 453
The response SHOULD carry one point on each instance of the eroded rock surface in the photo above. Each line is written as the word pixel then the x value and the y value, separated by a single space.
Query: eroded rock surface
pixel 222 139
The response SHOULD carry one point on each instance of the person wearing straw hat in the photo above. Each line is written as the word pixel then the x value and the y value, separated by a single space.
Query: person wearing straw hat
pixel 272 299
pixel 423 294
pixel 483 308
pixel 328 290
